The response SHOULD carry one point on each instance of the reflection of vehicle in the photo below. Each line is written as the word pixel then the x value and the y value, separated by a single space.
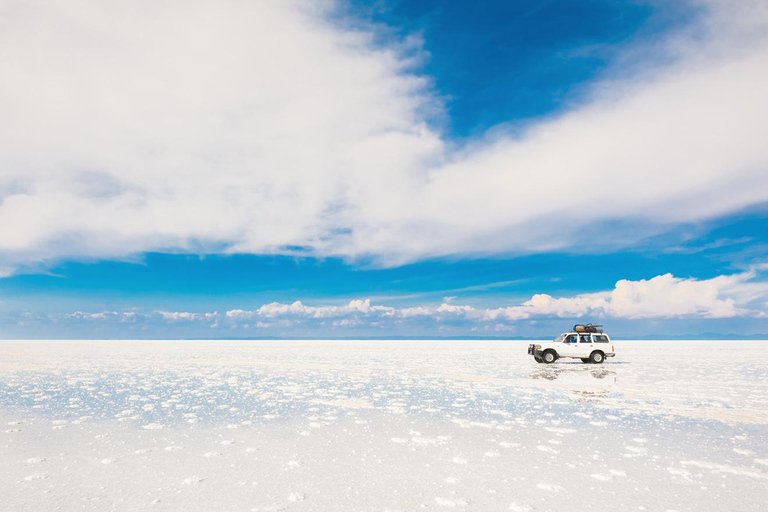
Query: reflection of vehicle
pixel 586 342
pixel 587 383
pixel 574 376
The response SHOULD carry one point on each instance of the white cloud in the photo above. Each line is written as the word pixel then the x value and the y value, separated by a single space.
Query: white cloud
pixel 664 296
pixel 451 308
pixel 92 316
pixel 298 309
pixel 194 126
pixel 275 309
pixel 258 126
pixel 740 295
pixel 543 305
pixel 175 316
pixel 240 314
pixel 415 311
pixel 669 296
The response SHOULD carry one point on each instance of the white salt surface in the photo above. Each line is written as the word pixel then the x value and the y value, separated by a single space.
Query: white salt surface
pixel 380 426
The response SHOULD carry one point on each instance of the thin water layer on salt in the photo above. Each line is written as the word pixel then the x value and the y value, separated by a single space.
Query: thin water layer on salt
pixel 381 426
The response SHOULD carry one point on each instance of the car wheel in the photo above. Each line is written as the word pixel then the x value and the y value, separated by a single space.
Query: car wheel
pixel 597 357
pixel 584 359
pixel 549 357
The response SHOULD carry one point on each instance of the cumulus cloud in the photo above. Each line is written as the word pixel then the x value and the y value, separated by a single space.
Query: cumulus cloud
pixel 451 308
pixel 263 127
pixel 740 295
pixel 298 309
pixel 664 296
pixel 355 307
pixel 415 311
pixel 186 316
pixel 121 316
pixel 543 305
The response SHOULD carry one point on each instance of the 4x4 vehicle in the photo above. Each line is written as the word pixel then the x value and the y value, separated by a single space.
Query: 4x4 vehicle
pixel 586 342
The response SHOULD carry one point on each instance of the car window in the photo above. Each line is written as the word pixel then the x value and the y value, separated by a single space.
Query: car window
pixel 600 338
pixel 584 338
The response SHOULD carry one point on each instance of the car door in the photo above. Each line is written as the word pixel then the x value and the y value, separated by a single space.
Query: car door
pixel 584 346
pixel 570 346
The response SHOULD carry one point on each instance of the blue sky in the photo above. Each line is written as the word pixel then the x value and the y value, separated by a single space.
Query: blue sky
pixel 508 62
pixel 386 168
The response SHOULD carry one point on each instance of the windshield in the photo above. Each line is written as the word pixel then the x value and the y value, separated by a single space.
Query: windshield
pixel 560 338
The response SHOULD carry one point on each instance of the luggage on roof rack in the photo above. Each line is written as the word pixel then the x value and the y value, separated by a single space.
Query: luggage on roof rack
pixel 587 328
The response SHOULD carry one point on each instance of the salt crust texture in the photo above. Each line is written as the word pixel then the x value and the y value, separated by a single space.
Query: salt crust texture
pixel 380 426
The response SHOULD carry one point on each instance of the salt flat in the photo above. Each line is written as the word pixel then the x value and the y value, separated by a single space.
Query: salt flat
pixel 377 426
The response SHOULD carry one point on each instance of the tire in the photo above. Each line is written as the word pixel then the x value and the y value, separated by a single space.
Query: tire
pixel 549 357
pixel 584 359
pixel 597 357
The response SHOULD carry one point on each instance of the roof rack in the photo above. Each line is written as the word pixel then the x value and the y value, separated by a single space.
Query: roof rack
pixel 587 328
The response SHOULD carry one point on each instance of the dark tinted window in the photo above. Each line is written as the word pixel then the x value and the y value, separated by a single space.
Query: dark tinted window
pixel 584 338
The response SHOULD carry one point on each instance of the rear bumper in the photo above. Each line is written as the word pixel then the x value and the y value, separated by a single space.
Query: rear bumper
pixel 610 355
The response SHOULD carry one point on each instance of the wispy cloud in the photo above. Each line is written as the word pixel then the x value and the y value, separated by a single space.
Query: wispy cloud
pixel 265 127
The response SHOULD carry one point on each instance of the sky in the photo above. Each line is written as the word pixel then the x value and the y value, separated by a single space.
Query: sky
pixel 388 168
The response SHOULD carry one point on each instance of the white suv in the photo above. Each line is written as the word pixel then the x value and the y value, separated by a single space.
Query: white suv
pixel 589 344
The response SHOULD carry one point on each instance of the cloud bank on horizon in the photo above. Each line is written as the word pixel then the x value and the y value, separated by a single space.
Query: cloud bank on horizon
pixel 742 295
pixel 279 127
